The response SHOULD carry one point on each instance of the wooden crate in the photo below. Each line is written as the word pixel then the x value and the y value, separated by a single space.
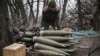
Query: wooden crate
pixel 15 50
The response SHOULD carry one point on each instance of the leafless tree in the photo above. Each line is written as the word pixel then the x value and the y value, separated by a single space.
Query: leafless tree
pixel 79 14
pixel 4 39
pixel 37 10
pixel 31 15
pixel 63 10
pixel 96 16
pixel 22 10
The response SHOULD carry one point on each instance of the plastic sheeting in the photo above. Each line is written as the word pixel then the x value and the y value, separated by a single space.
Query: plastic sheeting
pixel 85 33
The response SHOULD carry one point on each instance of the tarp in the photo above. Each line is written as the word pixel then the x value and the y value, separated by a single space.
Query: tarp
pixel 85 33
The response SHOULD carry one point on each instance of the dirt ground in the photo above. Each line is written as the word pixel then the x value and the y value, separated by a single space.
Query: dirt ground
pixel 87 45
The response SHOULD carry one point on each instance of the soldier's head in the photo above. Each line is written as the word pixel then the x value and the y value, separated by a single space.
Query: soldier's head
pixel 52 5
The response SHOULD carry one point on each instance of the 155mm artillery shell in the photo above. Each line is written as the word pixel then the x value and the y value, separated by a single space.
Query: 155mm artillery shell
pixel 54 33
pixel 57 38
pixel 46 47
pixel 25 39
pixel 49 53
pixel 29 34
pixel 48 42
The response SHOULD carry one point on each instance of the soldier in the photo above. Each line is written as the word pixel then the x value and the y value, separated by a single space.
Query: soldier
pixel 50 16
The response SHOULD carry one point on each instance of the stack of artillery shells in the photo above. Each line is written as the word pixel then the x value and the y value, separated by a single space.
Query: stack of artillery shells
pixel 54 43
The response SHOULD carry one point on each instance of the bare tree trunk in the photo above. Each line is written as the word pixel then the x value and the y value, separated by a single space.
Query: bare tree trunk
pixel 96 16
pixel 47 1
pixel 63 10
pixel 60 3
pixel 31 15
pixel 4 41
pixel 14 11
pixel 22 10
pixel 44 3
pixel 17 8
pixel 79 15
pixel 37 10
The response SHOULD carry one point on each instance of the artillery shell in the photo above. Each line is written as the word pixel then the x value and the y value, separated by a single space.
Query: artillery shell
pixel 21 34
pixel 46 47
pixel 48 42
pixel 57 38
pixel 26 39
pixel 54 33
pixel 29 34
pixel 49 53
